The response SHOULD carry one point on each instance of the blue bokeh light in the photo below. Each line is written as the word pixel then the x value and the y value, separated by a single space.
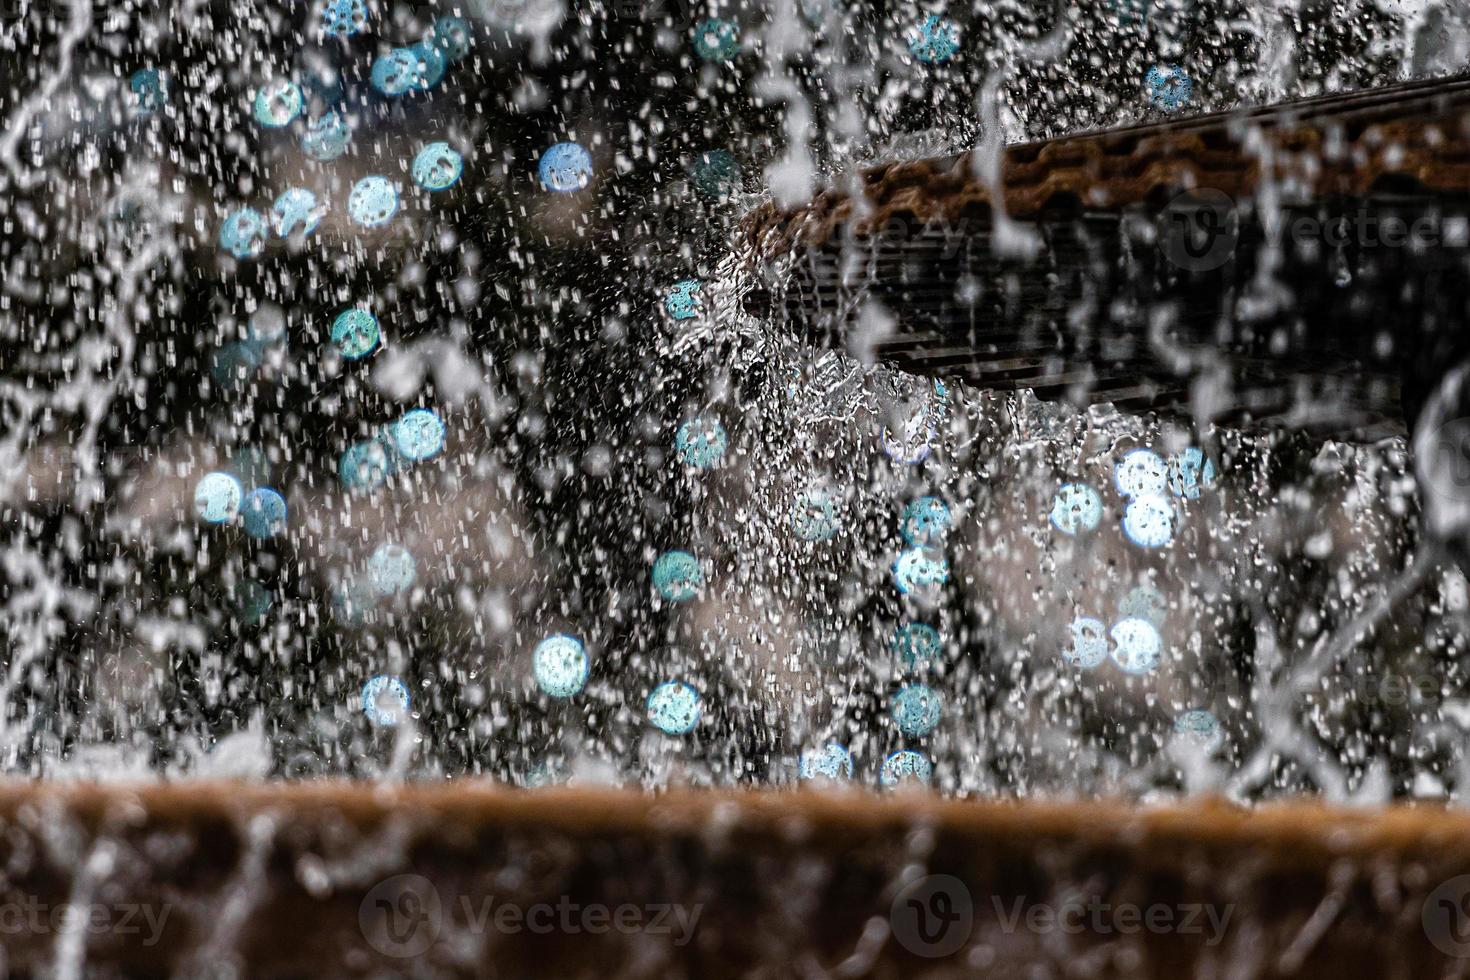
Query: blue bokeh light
pixel 344 18
pixel 327 136
pixel 905 766
pixel 265 513
pixel 700 442
pixel 674 707
pixel 355 332
pixel 150 88
pixel 451 35
pixel 277 103
pixel 364 465
pixel 243 234
pixel 565 167
pixel 919 571
pixel 1089 643
pixel 1076 507
pixel 252 602
pixel 418 435
pixel 1201 728
pixel 677 576
pixel 559 664
pixel 431 65
pixel 1140 471
pixel 385 701
pixel 392 569
pixel 682 301
pixel 814 515
pixel 1137 645
pixel 716 174
pixel 217 497
pixel 297 209
pixel 716 39
pixel 1169 87
pixel 373 201
pixel 233 364
pixel 917 645
pixel 916 709
pixel 831 761
pixel 926 521
pixel 396 72
pixel 934 40
pixel 1149 520
pixel 437 167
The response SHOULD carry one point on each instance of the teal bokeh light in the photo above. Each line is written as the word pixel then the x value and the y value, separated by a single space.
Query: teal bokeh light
pixel 437 167
pixel 1137 646
pixel 385 701
pixel 677 576
pixel 355 332
pixel 716 39
pixel 418 435
pixel 674 708
pixel 278 103
pixel 217 497
pixel 265 513
pixel 916 709
pixel 906 766
pixel 1076 507
pixel 831 761
pixel 1088 643
pixel 926 522
pixel 559 664
pixel 373 201
pixel 392 569
pixel 700 442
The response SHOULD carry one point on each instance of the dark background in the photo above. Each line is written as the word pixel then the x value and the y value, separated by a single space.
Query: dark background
pixel 563 320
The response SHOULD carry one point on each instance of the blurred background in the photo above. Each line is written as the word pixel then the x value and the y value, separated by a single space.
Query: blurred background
pixel 246 536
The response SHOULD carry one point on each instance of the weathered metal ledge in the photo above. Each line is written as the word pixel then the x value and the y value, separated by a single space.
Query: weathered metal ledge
pixel 308 880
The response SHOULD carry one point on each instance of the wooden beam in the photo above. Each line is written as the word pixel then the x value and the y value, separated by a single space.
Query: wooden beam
pixel 271 880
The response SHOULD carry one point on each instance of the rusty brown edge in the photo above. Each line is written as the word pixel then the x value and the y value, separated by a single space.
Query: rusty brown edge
pixel 730 852
pixel 1416 130
pixel 1304 834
